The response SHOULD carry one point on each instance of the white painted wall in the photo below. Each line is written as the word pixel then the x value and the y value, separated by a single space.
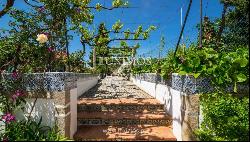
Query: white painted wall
pixel 167 96
pixel 2 126
pixel 73 110
pixel 44 108
pixel 84 84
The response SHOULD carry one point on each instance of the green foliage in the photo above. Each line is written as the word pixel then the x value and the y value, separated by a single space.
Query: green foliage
pixel 225 118
pixel 127 34
pixel 51 17
pixel 117 26
pixel 237 22
pixel 168 67
pixel 151 65
pixel 223 68
pixel 226 62
pixel 30 131
pixel 76 62
pixel 124 70
pixel 118 3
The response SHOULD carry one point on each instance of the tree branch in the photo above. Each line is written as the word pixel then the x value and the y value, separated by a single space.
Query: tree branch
pixel 117 39
pixel 85 41
pixel 26 1
pixel 106 8
pixel 7 7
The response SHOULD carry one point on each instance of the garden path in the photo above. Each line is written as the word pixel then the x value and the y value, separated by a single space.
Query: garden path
pixel 116 109
pixel 113 87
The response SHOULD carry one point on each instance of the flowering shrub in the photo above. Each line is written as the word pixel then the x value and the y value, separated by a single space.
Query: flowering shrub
pixel 12 92
pixel 42 38
pixel 30 131
pixel 12 99
pixel 8 117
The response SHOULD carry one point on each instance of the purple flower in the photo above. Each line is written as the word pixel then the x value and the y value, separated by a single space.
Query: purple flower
pixel 78 10
pixel 8 118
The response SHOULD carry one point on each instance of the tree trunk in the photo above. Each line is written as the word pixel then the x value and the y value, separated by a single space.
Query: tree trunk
pixel 67 44
pixel 94 58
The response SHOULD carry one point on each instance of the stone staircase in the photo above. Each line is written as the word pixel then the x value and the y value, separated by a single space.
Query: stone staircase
pixel 127 119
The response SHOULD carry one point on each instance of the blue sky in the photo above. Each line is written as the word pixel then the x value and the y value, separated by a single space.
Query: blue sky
pixel 164 14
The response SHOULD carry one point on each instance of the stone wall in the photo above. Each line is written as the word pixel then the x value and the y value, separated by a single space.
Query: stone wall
pixel 55 96
pixel 180 96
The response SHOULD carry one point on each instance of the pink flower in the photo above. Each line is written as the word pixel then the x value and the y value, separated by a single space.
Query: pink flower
pixel 17 94
pixel 14 97
pixel 5 139
pixel 15 75
pixel 8 117
pixel 50 49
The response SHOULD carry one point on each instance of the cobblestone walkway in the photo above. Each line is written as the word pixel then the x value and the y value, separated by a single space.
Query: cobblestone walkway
pixel 113 87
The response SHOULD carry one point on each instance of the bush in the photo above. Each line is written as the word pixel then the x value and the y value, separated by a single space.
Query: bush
pixel 225 118
pixel 30 131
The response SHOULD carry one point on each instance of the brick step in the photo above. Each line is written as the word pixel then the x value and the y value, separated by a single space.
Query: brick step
pixel 123 118
pixel 124 133
pixel 119 104
pixel 121 107
pixel 123 115
pixel 98 121
pixel 130 101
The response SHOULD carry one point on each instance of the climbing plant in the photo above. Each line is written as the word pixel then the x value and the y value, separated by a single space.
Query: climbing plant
pixel 225 118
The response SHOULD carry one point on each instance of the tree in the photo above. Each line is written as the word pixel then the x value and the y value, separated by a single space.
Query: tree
pixel 236 30
pixel 51 17
pixel 90 38
pixel 102 53
pixel 162 45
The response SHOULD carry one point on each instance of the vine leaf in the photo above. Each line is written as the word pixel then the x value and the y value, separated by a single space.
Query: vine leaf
pixel 182 73
pixel 196 75
pixel 243 62
pixel 241 77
